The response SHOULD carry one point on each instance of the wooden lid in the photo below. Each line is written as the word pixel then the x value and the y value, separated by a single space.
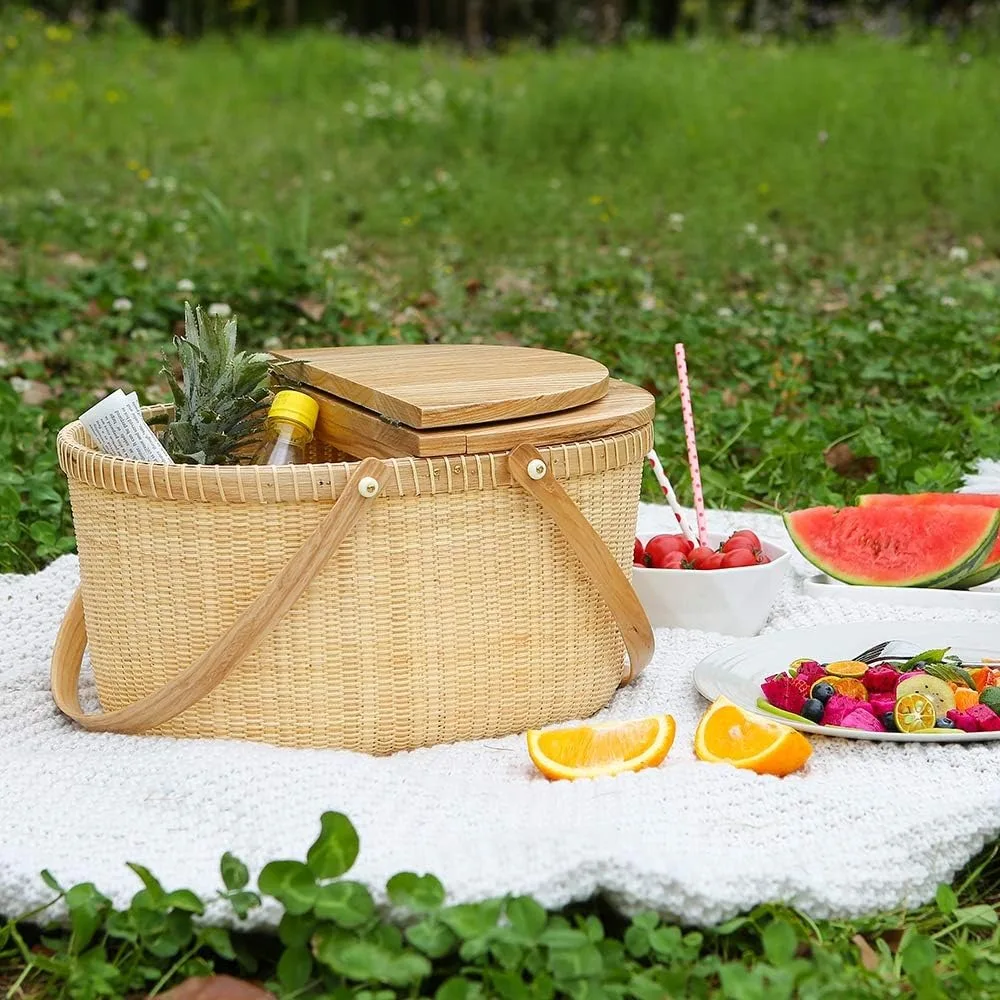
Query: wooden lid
pixel 361 433
pixel 426 386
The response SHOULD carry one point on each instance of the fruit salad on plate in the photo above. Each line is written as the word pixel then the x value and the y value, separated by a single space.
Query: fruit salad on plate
pixel 930 691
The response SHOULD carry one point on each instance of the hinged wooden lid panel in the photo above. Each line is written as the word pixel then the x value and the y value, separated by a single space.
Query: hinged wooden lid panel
pixel 361 433
pixel 449 385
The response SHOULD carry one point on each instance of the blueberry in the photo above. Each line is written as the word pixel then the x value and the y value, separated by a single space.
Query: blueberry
pixel 889 721
pixel 945 723
pixel 823 691
pixel 813 710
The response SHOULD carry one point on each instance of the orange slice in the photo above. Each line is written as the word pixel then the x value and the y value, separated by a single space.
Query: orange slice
pixel 984 677
pixel 728 735
pixel 847 686
pixel 914 713
pixel 847 668
pixel 964 698
pixel 604 749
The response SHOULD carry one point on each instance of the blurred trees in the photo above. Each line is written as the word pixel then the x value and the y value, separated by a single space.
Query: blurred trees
pixel 490 23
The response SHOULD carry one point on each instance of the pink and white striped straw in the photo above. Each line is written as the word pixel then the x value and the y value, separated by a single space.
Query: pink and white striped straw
pixel 692 447
pixel 668 491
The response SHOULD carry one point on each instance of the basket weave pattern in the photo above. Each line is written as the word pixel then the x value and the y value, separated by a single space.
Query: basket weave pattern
pixel 454 610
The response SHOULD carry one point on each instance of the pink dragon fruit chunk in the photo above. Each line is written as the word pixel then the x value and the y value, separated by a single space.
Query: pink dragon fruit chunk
pixel 782 692
pixel 976 719
pixel 882 702
pixel 860 719
pixel 881 679
pixel 808 673
pixel 840 706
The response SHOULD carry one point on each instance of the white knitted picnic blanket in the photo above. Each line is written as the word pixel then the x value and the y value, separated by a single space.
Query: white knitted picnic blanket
pixel 868 826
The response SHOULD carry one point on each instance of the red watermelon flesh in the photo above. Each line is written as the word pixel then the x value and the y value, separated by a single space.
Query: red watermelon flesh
pixel 990 568
pixel 904 546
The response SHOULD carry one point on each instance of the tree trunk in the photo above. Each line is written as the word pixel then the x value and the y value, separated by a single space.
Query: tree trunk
pixel 474 25
pixel 290 16
pixel 423 18
pixel 663 18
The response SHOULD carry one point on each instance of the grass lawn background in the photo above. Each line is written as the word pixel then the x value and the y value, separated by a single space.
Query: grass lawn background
pixel 819 224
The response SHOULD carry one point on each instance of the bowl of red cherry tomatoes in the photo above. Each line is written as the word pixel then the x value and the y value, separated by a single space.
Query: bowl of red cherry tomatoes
pixel 727 586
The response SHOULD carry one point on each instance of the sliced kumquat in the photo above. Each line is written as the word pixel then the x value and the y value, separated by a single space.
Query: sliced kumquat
pixel 914 713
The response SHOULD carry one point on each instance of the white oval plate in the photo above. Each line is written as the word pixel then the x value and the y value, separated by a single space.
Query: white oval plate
pixel 985 598
pixel 737 671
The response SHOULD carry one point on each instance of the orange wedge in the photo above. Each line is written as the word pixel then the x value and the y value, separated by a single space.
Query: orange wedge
pixel 984 677
pixel 599 750
pixel 728 735
pixel 965 698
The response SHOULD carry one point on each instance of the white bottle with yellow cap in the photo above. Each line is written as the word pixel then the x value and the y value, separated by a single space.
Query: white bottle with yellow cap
pixel 290 425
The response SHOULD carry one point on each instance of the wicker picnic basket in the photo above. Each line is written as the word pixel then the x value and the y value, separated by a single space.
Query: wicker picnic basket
pixel 427 591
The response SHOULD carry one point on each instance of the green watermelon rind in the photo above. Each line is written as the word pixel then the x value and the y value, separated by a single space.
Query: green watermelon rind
pixel 986 573
pixel 943 578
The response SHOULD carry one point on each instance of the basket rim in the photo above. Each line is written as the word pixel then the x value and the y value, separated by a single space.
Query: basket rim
pixel 408 477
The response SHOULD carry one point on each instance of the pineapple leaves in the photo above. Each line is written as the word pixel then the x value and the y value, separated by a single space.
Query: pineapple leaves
pixel 219 402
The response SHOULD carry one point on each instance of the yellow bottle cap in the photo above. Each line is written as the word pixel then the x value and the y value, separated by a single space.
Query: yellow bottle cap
pixel 291 405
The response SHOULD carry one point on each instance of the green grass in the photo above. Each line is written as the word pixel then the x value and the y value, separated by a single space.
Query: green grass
pixel 607 202
pixel 611 203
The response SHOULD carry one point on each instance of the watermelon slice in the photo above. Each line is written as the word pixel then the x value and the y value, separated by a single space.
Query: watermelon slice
pixel 990 569
pixel 895 546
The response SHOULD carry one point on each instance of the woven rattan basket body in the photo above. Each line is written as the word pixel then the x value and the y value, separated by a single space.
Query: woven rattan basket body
pixel 453 603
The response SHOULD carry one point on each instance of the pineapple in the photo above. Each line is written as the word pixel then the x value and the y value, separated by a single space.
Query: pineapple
pixel 219 406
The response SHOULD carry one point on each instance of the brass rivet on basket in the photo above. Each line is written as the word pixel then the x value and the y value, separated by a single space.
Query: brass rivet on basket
pixel 536 468
pixel 368 486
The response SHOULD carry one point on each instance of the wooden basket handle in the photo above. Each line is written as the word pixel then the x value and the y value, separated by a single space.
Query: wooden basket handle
pixel 531 472
pixel 220 659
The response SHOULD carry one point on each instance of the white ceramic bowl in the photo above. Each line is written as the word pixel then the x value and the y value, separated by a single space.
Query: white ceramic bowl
pixel 733 601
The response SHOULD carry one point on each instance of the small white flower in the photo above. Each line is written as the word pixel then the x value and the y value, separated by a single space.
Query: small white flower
pixel 90 222
pixel 823 137
pixel 647 302
pixel 373 306
pixel 889 288
pixel 152 183
pixel 326 176
pixel 750 229
pixel 349 108
pixel 625 252
pixel 947 300
pixel 875 326
pixel 54 197
pixel 139 262
pixel 764 240
pixel 170 184
pixel 247 216
pixel 184 214
pixel 959 254
pixel 122 305
pixel 965 58
pixel 555 184
pixel 185 285
pixel 180 227
pixel 333 255
pixel 139 217
pixel 724 312
pixel 780 250
pixel 676 221
pixel 221 309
